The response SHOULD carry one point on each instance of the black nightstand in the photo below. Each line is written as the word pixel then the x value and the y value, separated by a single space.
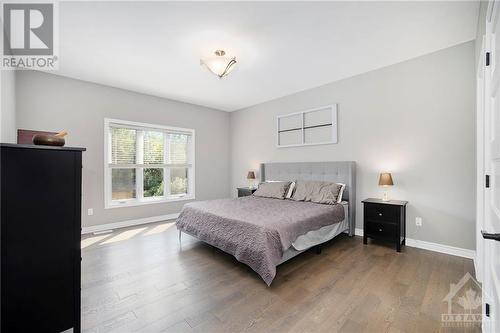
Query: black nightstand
pixel 385 220
pixel 245 191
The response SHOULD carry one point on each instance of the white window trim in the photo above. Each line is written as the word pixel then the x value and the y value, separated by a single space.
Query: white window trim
pixel 108 203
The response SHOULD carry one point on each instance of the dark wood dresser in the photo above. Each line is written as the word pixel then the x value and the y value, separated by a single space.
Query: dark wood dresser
pixel 385 220
pixel 40 228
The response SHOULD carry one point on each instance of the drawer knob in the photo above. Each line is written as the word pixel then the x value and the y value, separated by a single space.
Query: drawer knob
pixel 379 214
pixel 380 229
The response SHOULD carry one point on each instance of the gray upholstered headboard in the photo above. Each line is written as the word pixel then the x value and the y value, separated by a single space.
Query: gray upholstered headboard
pixel 339 172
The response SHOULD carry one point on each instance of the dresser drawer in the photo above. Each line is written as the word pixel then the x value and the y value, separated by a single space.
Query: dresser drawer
pixel 382 230
pixel 383 213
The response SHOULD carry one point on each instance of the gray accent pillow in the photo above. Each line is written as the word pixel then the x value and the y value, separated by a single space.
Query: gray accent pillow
pixel 317 191
pixel 276 190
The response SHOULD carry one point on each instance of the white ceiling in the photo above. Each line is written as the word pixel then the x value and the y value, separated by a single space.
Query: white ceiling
pixel 282 47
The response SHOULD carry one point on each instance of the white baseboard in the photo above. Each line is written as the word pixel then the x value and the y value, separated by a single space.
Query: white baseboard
pixel 128 223
pixel 447 249
pixel 455 251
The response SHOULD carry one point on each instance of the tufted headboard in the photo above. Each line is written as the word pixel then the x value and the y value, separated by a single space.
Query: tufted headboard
pixel 339 172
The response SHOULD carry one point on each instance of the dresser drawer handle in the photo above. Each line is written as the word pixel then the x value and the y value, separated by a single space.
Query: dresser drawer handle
pixel 380 229
pixel 379 214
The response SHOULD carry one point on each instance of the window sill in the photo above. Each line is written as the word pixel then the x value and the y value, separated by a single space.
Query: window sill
pixel 133 203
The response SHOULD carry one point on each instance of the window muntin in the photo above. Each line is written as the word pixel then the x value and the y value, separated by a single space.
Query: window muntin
pixel 147 163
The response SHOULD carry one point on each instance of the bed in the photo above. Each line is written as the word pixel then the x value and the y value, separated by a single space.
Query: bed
pixel 265 232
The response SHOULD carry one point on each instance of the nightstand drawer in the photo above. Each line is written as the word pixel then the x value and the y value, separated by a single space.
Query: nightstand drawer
pixel 382 230
pixel 245 191
pixel 383 213
pixel 385 220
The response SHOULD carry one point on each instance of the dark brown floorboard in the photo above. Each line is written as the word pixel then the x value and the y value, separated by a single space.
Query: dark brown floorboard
pixel 140 279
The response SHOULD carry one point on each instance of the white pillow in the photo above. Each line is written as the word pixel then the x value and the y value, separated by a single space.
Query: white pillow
pixel 290 191
pixel 341 192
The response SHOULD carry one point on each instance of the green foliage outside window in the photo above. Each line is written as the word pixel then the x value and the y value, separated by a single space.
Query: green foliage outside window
pixel 153 182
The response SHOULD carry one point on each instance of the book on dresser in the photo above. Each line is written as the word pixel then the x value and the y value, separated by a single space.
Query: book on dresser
pixel 40 228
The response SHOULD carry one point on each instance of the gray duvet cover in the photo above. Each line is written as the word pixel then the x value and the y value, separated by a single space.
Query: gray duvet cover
pixel 255 230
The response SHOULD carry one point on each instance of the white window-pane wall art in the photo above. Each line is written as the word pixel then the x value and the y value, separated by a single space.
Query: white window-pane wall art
pixel 310 127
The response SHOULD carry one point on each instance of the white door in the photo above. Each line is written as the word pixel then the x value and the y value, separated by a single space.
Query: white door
pixel 491 224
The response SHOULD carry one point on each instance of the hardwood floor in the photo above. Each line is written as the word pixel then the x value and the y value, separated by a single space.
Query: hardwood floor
pixel 141 279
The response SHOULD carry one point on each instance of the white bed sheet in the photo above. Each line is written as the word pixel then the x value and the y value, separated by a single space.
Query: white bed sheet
pixel 316 237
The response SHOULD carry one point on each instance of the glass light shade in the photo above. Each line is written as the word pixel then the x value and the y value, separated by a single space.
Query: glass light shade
pixel 219 64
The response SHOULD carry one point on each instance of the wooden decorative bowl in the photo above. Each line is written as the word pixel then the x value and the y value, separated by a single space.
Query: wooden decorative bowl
pixel 48 140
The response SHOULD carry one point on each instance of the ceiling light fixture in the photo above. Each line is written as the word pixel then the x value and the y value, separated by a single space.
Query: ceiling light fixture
pixel 219 64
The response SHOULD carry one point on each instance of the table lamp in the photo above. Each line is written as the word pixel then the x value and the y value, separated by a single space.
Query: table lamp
pixel 385 180
pixel 250 178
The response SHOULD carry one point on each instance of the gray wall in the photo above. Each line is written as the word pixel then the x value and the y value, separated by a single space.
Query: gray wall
pixel 52 103
pixel 415 119
pixel 8 131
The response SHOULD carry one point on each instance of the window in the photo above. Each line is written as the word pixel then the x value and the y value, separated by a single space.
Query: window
pixel 147 163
